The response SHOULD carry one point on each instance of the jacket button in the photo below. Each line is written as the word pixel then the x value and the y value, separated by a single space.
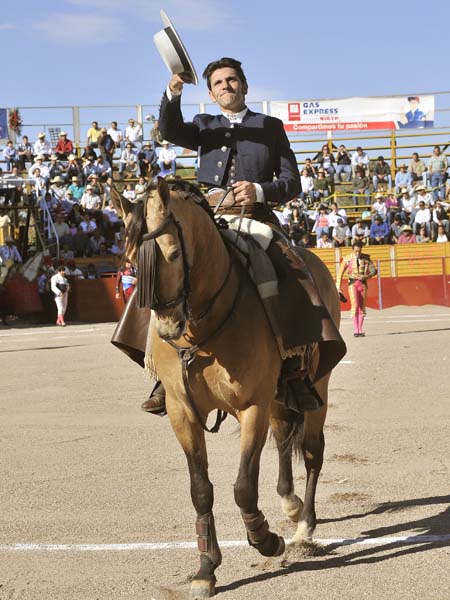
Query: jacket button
pixel 227 134
pixel 219 164
pixel 216 178
pixel 224 148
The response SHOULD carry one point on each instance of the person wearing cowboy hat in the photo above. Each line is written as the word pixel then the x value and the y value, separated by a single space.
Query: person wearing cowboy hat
pixel 56 168
pixel 321 186
pixel 421 193
pixel 91 201
pixel 73 168
pixel 406 205
pixel 39 164
pixel 167 160
pixel 56 188
pixel 407 236
pixel 90 167
pixel 42 146
pixel 379 207
pixel 403 179
pixel 77 188
pixel 64 147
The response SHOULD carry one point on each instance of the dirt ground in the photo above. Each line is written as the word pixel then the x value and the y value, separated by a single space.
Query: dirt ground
pixel 82 467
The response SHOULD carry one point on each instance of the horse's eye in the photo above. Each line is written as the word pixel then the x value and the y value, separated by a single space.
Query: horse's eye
pixel 174 255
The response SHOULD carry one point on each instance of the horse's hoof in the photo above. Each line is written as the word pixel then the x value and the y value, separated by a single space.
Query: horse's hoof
pixel 281 546
pixel 202 588
pixel 304 532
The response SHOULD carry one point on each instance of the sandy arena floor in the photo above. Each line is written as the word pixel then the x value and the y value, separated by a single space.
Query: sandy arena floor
pixel 94 493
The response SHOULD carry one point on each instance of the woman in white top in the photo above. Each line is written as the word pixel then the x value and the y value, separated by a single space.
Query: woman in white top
pixel 441 235
pixel 60 287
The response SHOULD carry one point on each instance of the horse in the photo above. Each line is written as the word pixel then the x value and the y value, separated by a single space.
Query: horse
pixel 207 317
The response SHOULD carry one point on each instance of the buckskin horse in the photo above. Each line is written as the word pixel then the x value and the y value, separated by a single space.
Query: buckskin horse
pixel 208 318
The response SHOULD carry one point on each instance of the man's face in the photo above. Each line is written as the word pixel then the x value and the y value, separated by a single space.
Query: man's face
pixel 356 250
pixel 413 104
pixel 227 90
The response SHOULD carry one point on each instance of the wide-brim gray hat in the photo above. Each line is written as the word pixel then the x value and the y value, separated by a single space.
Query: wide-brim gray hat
pixel 172 50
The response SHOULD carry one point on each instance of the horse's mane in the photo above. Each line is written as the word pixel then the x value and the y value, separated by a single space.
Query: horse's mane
pixel 137 226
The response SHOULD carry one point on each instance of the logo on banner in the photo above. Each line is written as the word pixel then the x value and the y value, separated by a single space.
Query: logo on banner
pixel 294 111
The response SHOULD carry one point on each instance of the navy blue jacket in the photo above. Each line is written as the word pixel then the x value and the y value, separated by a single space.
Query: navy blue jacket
pixel 262 147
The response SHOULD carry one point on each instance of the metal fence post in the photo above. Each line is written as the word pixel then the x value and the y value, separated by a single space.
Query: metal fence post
pixel 76 125
pixel 380 292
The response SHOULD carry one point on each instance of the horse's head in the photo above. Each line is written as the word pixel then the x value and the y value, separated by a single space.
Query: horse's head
pixel 155 242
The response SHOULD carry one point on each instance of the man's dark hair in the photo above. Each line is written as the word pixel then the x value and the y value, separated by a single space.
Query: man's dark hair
pixel 222 63
pixel 357 244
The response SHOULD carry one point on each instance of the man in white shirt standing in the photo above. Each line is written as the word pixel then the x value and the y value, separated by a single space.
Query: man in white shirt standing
pixel 116 134
pixel 133 134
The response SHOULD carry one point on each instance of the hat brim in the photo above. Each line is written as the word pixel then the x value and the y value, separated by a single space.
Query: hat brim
pixel 172 51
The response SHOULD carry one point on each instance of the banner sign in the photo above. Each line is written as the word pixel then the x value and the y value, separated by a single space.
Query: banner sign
pixel 3 123
pixel 351 114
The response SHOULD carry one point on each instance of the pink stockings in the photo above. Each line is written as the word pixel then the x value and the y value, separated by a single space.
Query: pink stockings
pixel 358 299
pixel 358 321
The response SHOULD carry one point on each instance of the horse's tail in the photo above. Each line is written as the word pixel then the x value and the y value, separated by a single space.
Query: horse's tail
pixel 292 426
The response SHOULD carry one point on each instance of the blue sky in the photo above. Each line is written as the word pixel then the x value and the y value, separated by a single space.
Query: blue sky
pixel 89 52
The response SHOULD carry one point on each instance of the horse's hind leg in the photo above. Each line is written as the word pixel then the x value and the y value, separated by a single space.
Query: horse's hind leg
pixel 254 426
pixel 291 505
pixel 192 438
pixel 313 446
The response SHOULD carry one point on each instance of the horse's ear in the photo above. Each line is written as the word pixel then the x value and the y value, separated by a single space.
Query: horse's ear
pixel 163 191
pixel 121 204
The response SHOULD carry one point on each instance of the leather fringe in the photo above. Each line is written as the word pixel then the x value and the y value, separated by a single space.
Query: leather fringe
pixel 146 276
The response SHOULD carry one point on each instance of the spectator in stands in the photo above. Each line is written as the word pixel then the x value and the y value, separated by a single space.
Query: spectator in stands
pixel 73 168
pixel 321 222
pixel 134 135
pixel 116 134
pixel 406 206
pixel 407 236
pixel 321 186
pixel 91 272
pixel 396 229
pixel 129 193
pixel 126 279
pixel 422 217
pixel 103 168
pixel 38 184
pixel 89 167
pixel 403 179
pixel 64 147
pixel 76 188
pixel 360 159
pixel 88 153
pixel 439 217
pixel 14 189
pixel 128 161
pixel 326 160
pixel 56 189
pixel 96 240
pixel 42 147
pixel 106 146
pixel 62 229
pixel 73 271
pixel 381 175
pixel 336 213
pixel 10 155
pixel 341 234
pixel 167 160
pixel 437 169
pixel 422 194
pixel 56 168
pixel 360 232
pixel 93 180
pixel 441 234
pixel 147 160
pixel 111 218
pixel 67 201
pixel 90 201
pixel 60 288
pixel 379 232
pixel 312 171
pixel 87 224
pixel 392 205
pixel 305 241
pixel 25 153
pixel 423 236
pixel 80 241
pixel 298 222
pixel 118 248
pixel 379 208
pixel 324 241
pixel 343 164
pixel 141 187
pixel 107 192
pixel 93 134
pixel 9 252
pixel 307 182
pixel 418 169
pixel 361 190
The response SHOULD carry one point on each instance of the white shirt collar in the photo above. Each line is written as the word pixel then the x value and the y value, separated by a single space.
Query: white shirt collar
pixel 236 117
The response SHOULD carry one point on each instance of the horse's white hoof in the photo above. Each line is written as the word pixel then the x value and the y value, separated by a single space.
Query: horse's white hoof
pixel 202 588
pixel 292 507
pixel 303 534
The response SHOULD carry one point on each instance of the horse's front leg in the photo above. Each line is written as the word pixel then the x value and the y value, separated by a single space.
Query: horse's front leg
pixel 313 446
pixel 254 426
pixel 192 439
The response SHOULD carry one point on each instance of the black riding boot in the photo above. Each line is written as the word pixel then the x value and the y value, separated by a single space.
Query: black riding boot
pixel 156 402
pixel 300 390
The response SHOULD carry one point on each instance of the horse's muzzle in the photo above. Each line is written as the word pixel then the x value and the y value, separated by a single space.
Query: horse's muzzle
pixel 169 329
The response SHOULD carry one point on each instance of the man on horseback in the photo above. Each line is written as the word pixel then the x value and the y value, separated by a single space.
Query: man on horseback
pixel 240 152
